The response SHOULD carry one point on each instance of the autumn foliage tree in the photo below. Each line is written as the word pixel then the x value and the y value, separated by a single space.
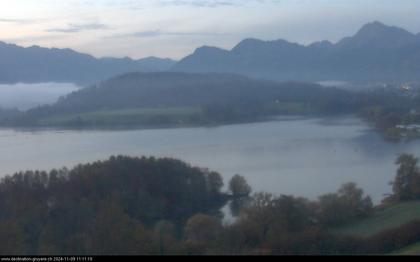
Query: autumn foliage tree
pixel 406 185
pixel 110 207
pixel 239 187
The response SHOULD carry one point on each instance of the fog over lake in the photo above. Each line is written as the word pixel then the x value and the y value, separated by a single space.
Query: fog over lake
pixel 25 96
pixel 299 156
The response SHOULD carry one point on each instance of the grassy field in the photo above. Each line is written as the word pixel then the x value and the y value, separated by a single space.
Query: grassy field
pixel 411 250
pixel 289 108
pixel 126 117
pixel 387 218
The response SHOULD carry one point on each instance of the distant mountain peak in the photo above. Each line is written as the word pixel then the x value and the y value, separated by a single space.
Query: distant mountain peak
pixel 35 47
pixel 246 44
pixel 249 41
pixel 375 29
pixel 7 44
pixel 209 50
pixel 155 59
pixel 377 34
pixel 322 44
pixel 252 44
pixel 39 64
pixel 374 25
pixel 377 52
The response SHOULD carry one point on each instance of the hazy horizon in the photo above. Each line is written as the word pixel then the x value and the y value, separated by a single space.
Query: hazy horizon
pixel 24 96
pixel 175 28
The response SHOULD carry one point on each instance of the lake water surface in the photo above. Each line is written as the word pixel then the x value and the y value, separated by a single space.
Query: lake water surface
pixel 304 157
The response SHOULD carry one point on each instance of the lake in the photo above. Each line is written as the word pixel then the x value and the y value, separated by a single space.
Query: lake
pixel 299 156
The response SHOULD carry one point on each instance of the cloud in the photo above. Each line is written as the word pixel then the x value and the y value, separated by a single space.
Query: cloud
pixel 7 20
pixel 75 28
pixel 182 3
pixel 198 3
pixel 20 21
pixel 34 38
pixel 157 33
pixel 146 34
pixel 143 4
pixel 215 3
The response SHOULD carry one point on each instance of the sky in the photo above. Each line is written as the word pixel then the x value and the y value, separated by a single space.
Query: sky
pixel 175 28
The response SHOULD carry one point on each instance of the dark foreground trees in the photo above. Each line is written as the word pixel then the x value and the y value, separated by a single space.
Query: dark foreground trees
pixel 142 206
pixel 239 187
pixel 348 204
pixel 406 185
pixel 111 207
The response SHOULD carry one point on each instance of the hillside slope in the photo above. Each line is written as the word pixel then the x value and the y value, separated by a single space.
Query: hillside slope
pixel 214 97
pixel 387 218
pixel 377 52
pixel 36 64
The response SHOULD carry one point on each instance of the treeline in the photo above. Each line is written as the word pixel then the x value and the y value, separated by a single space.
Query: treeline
pixel 389 108
pixel 139 90
pixel 221 97
pixel 6 114
pixel 112 207
pixel 138 206
pixel 218 99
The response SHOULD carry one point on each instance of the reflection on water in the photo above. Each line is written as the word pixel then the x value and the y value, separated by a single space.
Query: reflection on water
pixel 300 156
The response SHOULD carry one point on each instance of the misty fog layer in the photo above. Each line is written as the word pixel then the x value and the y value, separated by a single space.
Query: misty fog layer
pixel 25 96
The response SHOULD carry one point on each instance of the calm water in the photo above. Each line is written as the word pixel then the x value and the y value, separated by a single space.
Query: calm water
pixel 305 157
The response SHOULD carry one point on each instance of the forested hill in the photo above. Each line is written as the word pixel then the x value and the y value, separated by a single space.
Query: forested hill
pixel 168 99
pixel 139 90
pixel 183 98
pixel 37 64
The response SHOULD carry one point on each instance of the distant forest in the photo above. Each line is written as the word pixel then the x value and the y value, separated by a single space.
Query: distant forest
pixel 182 99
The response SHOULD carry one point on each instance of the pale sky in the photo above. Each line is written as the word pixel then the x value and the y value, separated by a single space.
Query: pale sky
pixel 174 28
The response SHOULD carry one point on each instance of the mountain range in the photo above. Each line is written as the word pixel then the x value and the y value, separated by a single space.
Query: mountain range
pixel 377 52
pixel 36 64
